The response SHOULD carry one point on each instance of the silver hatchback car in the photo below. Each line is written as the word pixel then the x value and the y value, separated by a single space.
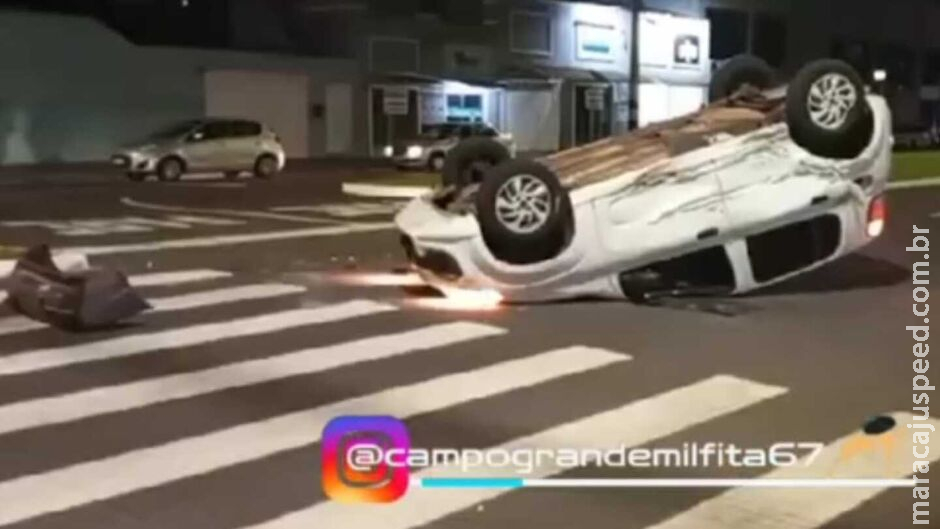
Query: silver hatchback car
pixel 231 146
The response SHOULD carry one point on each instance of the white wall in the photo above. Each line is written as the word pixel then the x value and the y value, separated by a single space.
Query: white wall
pixel 73 90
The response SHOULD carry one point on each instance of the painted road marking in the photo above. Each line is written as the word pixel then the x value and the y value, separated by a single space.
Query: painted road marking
pixel 346 210
pixel 84 483
pixel 632 425
pixel 17 324
pixel 99 401
pixel 245 213
pixel 232 240
pixel 813 508
pixel 119 225
pixel 136 344
pixel 176 278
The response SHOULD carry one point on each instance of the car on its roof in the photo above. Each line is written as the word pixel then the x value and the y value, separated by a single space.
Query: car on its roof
pixel 766 182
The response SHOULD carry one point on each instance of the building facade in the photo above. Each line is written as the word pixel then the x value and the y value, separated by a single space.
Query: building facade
pixel 347 77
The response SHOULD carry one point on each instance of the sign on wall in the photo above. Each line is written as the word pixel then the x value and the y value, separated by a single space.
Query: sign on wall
pixel 395 101
pixel 594 42
pixel 595 98
pixel 674 49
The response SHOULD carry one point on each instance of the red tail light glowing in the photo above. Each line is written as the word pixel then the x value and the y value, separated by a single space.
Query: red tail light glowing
pixel 877 215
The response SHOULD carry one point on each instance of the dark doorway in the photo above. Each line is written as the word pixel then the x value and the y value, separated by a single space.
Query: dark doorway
pixel 387 129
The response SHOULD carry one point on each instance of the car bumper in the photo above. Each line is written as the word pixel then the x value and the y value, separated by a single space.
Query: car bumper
pixel 449 253
pixel 134 162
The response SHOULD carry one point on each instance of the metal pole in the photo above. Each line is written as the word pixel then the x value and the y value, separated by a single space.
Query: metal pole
pixel 636 7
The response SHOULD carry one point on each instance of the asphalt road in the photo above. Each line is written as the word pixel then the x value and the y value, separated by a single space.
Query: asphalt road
pixel 272 318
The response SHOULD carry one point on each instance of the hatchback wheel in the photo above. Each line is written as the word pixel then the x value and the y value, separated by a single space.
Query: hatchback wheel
pixel 170 169
pixel 266 167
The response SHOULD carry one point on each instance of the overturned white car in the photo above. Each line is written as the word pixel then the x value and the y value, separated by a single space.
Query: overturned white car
pixel 762 184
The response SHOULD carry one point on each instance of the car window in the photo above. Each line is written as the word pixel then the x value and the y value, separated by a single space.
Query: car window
pixel 216 130
pixel 244 129
pixel 488 132
pixel 466 132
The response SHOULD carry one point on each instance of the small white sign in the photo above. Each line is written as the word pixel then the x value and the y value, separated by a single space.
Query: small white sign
pixel 395 101
pixel 595 42
pixel 595 98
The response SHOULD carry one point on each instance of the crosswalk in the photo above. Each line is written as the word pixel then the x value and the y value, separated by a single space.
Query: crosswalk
pixel 95 483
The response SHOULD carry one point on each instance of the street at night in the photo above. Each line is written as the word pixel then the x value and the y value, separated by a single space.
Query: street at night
pixel 206 411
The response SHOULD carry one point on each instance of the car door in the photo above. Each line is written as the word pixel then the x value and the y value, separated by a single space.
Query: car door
pixel 767 187
pixel 663 215
pixel 244 145
pixel 206 146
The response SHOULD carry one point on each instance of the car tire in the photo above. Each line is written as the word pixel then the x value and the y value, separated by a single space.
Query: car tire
pixel 232 175
pixel 170 169
pixel 469 160
pixel 265 167
pixel 136 177
pixel 436 162
pixel 827 110
pixel 531 231
pixel 737 72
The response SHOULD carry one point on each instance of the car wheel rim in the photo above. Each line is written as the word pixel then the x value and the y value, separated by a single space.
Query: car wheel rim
pixel 523 204
pixel 830 100
pixel 267 167
pixel 172 171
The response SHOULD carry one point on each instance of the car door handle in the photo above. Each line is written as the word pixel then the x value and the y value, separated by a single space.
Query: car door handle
pixel 708 234
pixel 819 200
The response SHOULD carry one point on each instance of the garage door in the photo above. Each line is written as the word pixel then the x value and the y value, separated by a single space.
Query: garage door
pixel 533 118
pixel 276 99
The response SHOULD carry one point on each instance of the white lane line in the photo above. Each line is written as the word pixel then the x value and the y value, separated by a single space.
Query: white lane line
pixel 222 296
pixel 81 484
pixel 54 410
pixel 176 278
pixel 249 214
pixel 634 424
pixel 137 344
pixel 914 184
pixel 232 240
pixel 346 210
pixel 208 221
pixel 855 456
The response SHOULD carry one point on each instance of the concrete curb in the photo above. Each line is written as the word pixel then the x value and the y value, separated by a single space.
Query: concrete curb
pixel 66 261
pixel 914 184
pixel 384 191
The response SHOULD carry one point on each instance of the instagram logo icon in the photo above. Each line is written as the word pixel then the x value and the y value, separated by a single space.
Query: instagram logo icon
pixel 354 467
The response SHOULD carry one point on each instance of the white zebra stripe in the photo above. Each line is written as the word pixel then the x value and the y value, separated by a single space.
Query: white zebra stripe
pixel 42 412
pixel 16 324
pixel 851 457
pixel 634 424
pixel 84 483
pixel 176 278
pixel 136 344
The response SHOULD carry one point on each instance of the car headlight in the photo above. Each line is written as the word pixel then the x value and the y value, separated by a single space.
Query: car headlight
pixel 415 151
pixel 388 151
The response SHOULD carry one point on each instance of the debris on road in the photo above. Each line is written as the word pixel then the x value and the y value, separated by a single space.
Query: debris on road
pixel 89 299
